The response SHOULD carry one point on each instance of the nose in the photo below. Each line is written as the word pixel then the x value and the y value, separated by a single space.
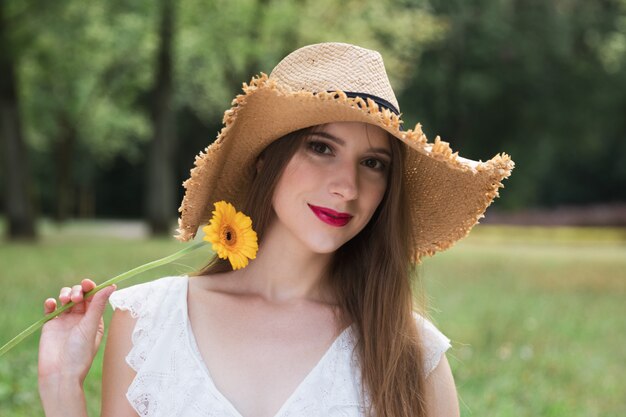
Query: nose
pixel 344 182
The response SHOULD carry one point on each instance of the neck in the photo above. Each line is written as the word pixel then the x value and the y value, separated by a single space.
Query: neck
pixel 286 271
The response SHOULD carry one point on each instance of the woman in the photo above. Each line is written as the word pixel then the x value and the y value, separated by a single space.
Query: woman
pixel 322 322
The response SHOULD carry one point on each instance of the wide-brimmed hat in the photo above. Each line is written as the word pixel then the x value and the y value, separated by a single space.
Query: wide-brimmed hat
pixel 337 82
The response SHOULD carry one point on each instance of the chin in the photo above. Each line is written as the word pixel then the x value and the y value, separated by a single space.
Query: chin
pixel 324 245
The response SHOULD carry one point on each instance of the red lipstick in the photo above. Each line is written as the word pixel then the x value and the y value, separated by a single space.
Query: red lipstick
pixel 331 217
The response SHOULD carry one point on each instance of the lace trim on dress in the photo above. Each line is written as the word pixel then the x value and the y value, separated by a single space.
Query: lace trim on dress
pixel 143 302
pixel 167 382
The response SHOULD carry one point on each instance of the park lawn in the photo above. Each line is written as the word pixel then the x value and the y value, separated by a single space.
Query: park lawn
pixel 536 316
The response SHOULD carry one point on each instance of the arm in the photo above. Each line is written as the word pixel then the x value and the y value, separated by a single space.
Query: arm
pixel 67 347
pixel 117 375
pixel 440 392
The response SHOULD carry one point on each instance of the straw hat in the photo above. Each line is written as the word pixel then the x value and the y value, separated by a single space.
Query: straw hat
pixel 335 82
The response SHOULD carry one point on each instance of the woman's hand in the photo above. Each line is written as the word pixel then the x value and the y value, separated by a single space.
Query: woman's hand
pixel 70 341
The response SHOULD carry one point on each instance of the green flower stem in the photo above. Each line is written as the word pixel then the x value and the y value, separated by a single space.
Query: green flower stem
pixel 128 274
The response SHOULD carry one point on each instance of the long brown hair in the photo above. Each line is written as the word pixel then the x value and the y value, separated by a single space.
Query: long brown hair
pixel 371 279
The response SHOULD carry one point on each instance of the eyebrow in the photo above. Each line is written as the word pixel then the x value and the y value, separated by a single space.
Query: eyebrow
pixel 343 142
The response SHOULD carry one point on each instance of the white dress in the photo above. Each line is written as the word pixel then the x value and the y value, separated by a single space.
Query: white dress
pixel 172 379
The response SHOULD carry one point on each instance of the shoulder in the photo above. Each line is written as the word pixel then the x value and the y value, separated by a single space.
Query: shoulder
pixel 440 390
pixel 140 299
pixel 143 315
pixel 130 338
pixel 117 375
pixel 139 313
pixel 433 343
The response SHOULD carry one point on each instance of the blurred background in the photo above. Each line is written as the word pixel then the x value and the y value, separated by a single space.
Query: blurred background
pixel 104 105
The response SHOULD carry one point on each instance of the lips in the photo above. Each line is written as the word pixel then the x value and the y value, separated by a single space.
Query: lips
pixel 331 217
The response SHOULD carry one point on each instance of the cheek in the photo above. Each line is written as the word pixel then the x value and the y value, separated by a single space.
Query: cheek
pixel 281 194
pixel 293 166
pixel 376 194
pixel 298 174
pixel 292 182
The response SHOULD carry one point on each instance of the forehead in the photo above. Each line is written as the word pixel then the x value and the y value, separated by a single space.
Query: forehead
pixel 357 131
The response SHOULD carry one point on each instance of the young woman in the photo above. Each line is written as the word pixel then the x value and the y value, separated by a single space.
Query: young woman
pixel 323 322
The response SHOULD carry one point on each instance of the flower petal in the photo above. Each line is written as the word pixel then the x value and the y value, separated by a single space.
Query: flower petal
pixel 244 243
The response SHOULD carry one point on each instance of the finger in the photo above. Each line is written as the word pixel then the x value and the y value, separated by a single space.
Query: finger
pixel 87 285
pixel 96 310
pixel 81 303
pixel 64 295
pixel 76 296
pixel 99 334
pixel 79 308
pixel 49 305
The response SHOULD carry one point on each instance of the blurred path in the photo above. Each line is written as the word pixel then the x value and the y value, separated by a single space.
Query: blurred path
pixel 122 229
pixel 612 215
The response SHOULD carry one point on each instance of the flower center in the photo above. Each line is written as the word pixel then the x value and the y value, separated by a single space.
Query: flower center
pixel 228 236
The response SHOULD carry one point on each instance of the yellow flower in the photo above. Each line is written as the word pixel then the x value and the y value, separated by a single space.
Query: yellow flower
pixel 231 234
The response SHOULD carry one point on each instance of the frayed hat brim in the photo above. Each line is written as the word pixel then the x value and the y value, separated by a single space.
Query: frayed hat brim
pixel 447 194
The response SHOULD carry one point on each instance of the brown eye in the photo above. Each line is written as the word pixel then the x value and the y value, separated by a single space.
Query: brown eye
pixel 320 147
pixel 375 164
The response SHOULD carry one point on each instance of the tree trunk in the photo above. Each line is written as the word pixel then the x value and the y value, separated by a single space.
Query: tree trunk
pixel 18 196
pixel 86 201
pixel 161 192
pixel 64 151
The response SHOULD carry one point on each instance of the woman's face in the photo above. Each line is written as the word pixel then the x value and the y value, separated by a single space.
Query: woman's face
pixel 333 184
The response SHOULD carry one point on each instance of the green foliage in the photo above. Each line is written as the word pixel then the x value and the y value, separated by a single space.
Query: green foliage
pixel 543 81
pixel 82 68
pixel 246 37
pixel 534 314
pixel 86 69
pixel 82 72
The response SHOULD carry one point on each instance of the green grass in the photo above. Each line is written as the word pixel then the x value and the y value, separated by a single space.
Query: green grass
pixel 536 316
pixel 537 319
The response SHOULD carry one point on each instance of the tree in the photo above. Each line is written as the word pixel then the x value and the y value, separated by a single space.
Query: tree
pixel 105 80
pixel 18 198
pixel 543 81
pixel 160 173
pixel 82 74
